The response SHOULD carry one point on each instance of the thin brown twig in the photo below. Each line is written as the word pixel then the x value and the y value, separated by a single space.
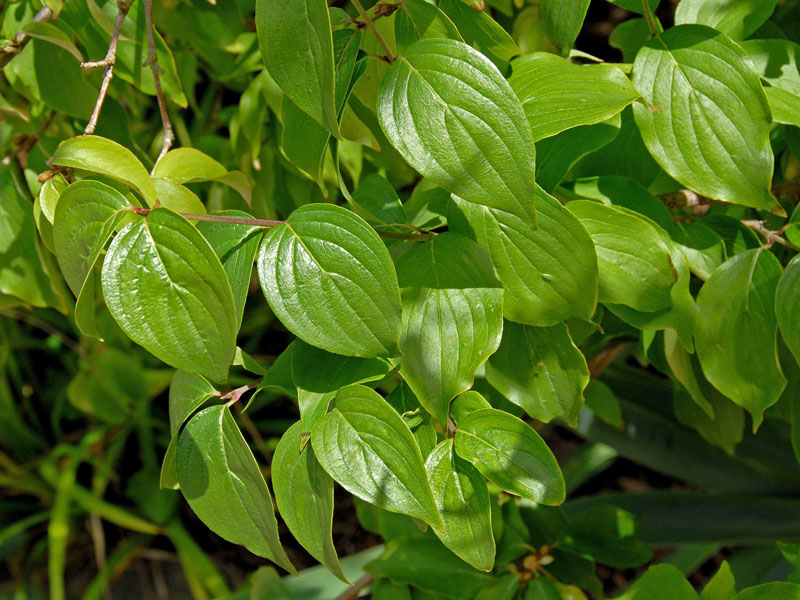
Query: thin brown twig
pixel 152 62
pixel 354 590
pixel 772 237
pixel 389 54
pixel 21 40
pixel 108 62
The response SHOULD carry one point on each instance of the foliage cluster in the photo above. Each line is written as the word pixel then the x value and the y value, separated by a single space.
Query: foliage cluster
pixel 465 233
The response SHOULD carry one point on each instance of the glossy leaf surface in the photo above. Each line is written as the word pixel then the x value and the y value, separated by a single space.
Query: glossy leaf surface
pixel 216 468
pixel 168 292
pixel 329 279
pixel 510 454
pixel 368 449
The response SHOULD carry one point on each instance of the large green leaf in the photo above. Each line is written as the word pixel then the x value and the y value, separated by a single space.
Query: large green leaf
pixel 368 449
pixel 510 454
pixel 236 245
pixel 106 157
pixel 541 370
pixel 787 306
pixel 167 290
pixel 463 499
pixel 605 534
pixel 548 274
pixel 735 18
pixel 220 479
pixel 452 318
pixel 635 265
pixel 736 331
pixel 297 48
pixel 711 127
pixel 563 20
pixel 85 218
pixel 557 95
pixel 454 118
pixel 304 495
pixel 329 279
pixel 776 63
pixel 424 563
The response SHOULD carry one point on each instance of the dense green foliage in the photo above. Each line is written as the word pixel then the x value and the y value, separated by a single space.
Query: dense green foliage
pixel 451 240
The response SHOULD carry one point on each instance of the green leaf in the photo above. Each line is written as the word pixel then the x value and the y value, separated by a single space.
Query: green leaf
pixel 736 331
pixel 378 201
pixel 777 590
pixel 85 218
pixel 385 589
pixel 510 454
pixel 722 585
pixel 466 403
pixel 452 318
pixel 735 18
pixel 304 495
pixel 221 481
pixel 424 563
pixel 505 588
pixel 189 165
pixel 482 32
pixel 548 274
pixel 169 293
pixel 776 62
pixel 541 588
pixel 235 244
pixel 463 499
pixel 711 129
pixel 558 154
pixel 318 375
pixel 603 403
pixel 329 279
pixel 605 534
pixel 23 273
pixel 686 371
pixel 635 265
pixel 558 95
pixel 625 155
pixel 368 449
pixel 106 157
pixel 418 20
pixel 177 197
pixel 541 370
pixel 703 248
pixel 297 48
pixel 628 193
pixel 787 306
pixel 563 20
pixel 304 140
pixel 187 393
pixel 661 582
pixel 50 33
pixel 428 107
